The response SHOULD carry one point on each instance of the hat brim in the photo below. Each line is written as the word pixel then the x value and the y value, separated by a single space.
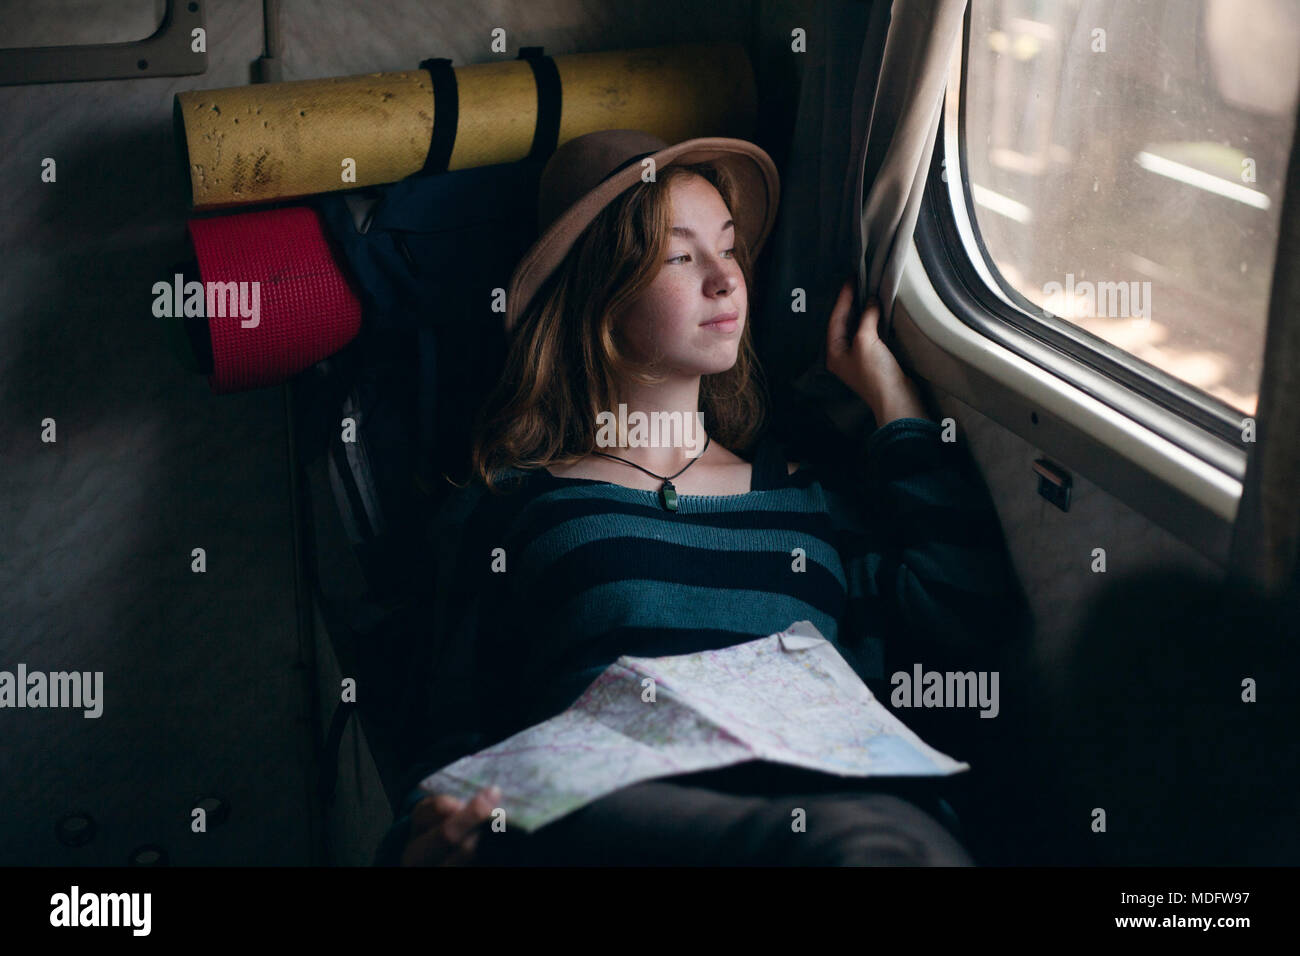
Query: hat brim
pixel 754 210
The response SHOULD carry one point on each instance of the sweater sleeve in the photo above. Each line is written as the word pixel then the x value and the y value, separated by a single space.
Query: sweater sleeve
pixel 470 619
pixel 930 581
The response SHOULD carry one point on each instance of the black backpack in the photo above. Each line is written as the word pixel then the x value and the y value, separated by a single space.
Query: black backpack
pixel 424 255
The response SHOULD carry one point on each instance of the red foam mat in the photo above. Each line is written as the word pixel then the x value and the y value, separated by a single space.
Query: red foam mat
pixel 306 308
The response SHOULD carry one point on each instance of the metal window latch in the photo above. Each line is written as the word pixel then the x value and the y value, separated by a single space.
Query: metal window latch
pixel 1053 483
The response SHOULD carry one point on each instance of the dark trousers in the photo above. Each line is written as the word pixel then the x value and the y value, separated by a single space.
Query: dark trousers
pixel 747 815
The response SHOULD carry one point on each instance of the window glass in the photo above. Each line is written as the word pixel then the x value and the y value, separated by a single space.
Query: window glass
pixel 1126 164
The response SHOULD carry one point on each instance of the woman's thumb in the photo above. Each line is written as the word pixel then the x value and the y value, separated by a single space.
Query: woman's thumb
pixel 837 337
pixel 870 320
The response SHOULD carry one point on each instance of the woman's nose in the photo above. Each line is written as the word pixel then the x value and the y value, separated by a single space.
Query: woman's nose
pixel 725 278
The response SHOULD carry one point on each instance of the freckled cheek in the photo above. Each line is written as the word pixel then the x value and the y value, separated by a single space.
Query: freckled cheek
pixel 675 303
pixel 658 322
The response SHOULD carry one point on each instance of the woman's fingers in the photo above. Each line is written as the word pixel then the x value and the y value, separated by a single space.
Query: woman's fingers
pixel 837 333
pixel 868 328
pixel 839 340
pixel 444 829
pixel 460 823
pixel 433 809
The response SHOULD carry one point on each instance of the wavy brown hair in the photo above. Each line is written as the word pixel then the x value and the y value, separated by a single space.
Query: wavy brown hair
pixel 564 363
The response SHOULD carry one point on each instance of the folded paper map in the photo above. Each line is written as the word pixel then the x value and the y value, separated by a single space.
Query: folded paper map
pixel 790 698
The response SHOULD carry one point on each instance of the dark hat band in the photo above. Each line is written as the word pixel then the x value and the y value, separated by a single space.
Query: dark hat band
pixel 628 162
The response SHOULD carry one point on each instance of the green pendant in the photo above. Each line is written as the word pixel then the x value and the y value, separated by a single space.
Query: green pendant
pixel 669 496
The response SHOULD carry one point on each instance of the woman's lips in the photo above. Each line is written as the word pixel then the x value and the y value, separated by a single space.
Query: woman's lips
pixel 727 322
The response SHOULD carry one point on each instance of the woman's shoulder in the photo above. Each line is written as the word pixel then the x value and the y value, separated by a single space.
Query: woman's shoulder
pixel 474 499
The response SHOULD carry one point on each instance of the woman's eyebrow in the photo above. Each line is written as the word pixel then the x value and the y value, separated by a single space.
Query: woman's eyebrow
pixel 683 231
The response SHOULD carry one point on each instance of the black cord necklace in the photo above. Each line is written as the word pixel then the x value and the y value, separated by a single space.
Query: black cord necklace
pixel 667 493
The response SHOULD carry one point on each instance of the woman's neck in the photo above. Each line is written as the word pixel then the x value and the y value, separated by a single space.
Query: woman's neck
pixel 658 427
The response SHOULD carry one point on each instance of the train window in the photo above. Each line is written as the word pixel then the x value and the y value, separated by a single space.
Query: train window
pixel 27 23
pixel 1125 165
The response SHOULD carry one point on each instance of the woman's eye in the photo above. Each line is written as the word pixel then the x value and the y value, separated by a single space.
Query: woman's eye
pixel 687 255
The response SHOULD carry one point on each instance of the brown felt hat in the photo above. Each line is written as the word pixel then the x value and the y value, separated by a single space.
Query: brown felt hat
pixel 588 172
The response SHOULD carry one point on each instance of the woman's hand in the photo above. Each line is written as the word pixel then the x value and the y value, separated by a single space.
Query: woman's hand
pixel 864 363
pixel 444 830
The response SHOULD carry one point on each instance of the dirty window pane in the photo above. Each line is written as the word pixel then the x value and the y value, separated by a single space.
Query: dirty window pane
pixel 1126 165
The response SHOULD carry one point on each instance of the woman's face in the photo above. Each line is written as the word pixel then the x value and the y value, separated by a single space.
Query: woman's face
pixel 673 320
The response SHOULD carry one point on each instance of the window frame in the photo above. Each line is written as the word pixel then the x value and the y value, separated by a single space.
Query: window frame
pixel 957 263
pixel 165 52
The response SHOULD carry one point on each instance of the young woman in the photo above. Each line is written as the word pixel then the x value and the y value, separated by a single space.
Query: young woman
pixel 571 551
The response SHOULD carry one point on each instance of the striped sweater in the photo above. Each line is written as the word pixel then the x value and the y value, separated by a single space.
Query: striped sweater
pixel 902 562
